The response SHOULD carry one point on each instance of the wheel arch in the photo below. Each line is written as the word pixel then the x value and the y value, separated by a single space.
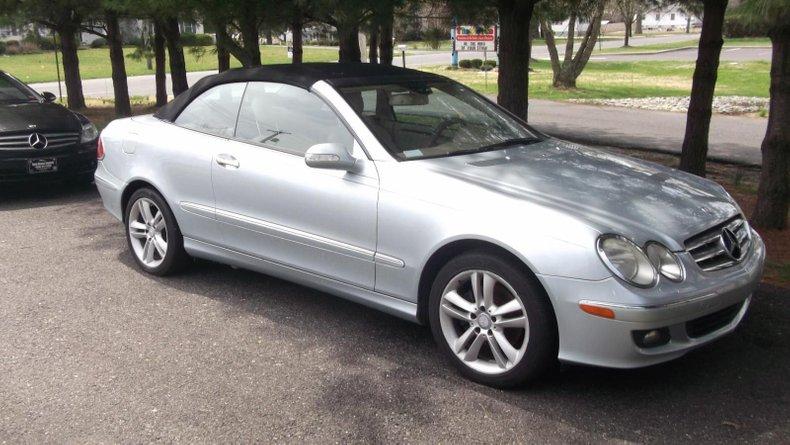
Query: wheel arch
pixel 132 187
pixel 446 252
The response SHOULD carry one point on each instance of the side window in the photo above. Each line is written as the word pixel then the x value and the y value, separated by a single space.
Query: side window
pixel 289 119
pixel 214 111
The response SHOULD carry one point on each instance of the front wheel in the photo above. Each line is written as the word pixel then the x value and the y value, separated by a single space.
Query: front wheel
pixel 153 234
pixel 493 321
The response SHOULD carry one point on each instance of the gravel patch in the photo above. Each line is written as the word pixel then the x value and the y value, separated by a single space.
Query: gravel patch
pixel 722 105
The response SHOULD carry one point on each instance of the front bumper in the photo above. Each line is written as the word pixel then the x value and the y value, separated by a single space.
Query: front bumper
pixel 695 315
pixel 75 160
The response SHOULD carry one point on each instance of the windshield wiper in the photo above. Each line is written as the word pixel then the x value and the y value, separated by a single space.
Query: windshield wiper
pixel 508 143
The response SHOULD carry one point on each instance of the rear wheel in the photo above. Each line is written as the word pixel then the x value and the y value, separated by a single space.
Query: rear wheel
pixel 493 321
pixel 153 234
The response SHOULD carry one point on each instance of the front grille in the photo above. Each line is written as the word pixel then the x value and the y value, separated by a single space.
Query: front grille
pixel 708 248
pixel 54 140
pixel 704 325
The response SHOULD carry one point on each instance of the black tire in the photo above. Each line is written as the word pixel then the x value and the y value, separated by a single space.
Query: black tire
pixel 175 258
pixel 540 355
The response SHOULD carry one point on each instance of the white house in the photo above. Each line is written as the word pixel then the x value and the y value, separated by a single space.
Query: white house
pixel 561 28
pixel 669 18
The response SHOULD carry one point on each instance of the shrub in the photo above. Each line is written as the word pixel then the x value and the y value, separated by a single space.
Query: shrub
pixel 99 43
pixel 477 63
pixel 433 37
pixel 39 41
pixel 189 39
pixel 488 65
pixel 734 26
pixel 2 48
pixel 15 47
pixel 133 41
pixel 465 63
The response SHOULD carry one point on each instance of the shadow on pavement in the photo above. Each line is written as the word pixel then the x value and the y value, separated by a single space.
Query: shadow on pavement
pixel 733 389
pixel 18 196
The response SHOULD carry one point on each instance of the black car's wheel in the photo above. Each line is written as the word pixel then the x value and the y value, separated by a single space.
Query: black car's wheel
pixel 153 234
pixel 493 321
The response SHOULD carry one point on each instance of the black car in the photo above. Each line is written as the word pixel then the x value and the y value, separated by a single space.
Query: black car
pixel 40 139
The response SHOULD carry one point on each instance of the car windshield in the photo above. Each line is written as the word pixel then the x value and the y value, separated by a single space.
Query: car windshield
pixel 418 120
pixel 13 91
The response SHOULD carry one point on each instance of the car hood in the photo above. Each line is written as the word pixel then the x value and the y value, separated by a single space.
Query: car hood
pixel 611 193
pixel 37 116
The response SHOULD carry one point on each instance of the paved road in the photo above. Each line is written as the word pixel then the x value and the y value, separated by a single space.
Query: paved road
pixel 742 54
pixel 732 138
pixel 93 351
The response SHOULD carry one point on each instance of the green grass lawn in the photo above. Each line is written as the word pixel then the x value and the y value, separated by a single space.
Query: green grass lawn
pixel 605 80
pixel 734 42
pixel 95 63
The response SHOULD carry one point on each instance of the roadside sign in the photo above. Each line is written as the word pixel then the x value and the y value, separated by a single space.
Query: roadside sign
pixel 475 38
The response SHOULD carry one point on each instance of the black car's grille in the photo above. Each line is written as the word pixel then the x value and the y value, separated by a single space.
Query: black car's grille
pixel 709 249
pixel 704 325
pixel 21 141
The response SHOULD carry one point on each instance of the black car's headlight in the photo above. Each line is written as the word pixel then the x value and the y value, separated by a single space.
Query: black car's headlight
pixel 627 260
pixel 89 133
pixel 665 261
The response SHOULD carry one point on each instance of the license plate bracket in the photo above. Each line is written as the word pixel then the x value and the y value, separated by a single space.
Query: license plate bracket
pixel 42 165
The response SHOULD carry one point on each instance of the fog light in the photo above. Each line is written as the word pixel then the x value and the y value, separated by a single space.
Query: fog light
pixel 651 338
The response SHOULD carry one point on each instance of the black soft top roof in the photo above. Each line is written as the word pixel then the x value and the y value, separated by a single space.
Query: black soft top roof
pixel 301 75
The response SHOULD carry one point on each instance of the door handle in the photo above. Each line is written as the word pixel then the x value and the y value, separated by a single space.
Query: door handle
pixel 226 160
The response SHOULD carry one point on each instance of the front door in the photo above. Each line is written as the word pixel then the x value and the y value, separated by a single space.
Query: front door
pixel 271 205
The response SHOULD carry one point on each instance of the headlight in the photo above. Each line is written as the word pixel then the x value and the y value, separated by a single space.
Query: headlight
pixel 89 133
pixel 626 260
pixel 666 262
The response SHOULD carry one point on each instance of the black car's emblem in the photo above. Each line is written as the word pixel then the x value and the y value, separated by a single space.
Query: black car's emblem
pixel 37 140
pixel 730 244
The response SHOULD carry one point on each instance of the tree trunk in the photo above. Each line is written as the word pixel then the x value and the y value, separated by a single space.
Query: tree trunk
pixel 688 24
pixel 223 56
pixel 348 35
pixel 551 46
pixel 251 37
pixel 627 32
pixel 71 67
pixel 296 30
pixel 178 68
pixel 373 57
pixel 638 23
pixel 695 143
pixel 386 51
pixel 268 36
pixel 118 63
pixel 160 76
pixel 514 55
pixel 773 193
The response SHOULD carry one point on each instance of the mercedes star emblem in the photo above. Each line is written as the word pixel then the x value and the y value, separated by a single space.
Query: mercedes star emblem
pixel 37 140
pixel 730 244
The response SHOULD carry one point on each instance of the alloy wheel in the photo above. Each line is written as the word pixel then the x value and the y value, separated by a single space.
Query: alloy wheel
pixel 148 232
pixel 484 321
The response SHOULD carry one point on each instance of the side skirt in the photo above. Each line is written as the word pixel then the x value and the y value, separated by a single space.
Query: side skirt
pixel 385 303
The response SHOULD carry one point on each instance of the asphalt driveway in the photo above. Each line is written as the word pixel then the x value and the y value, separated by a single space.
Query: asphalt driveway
pixel 91 350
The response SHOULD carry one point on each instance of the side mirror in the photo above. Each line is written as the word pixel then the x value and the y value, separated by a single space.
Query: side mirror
pixel 49 97
pixel 330 156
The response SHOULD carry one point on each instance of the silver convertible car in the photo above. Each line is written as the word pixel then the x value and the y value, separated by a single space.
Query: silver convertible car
pixel 410 193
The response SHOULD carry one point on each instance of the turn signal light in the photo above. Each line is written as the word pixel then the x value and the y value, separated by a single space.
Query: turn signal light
pixel 100 150
pixel 598 311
